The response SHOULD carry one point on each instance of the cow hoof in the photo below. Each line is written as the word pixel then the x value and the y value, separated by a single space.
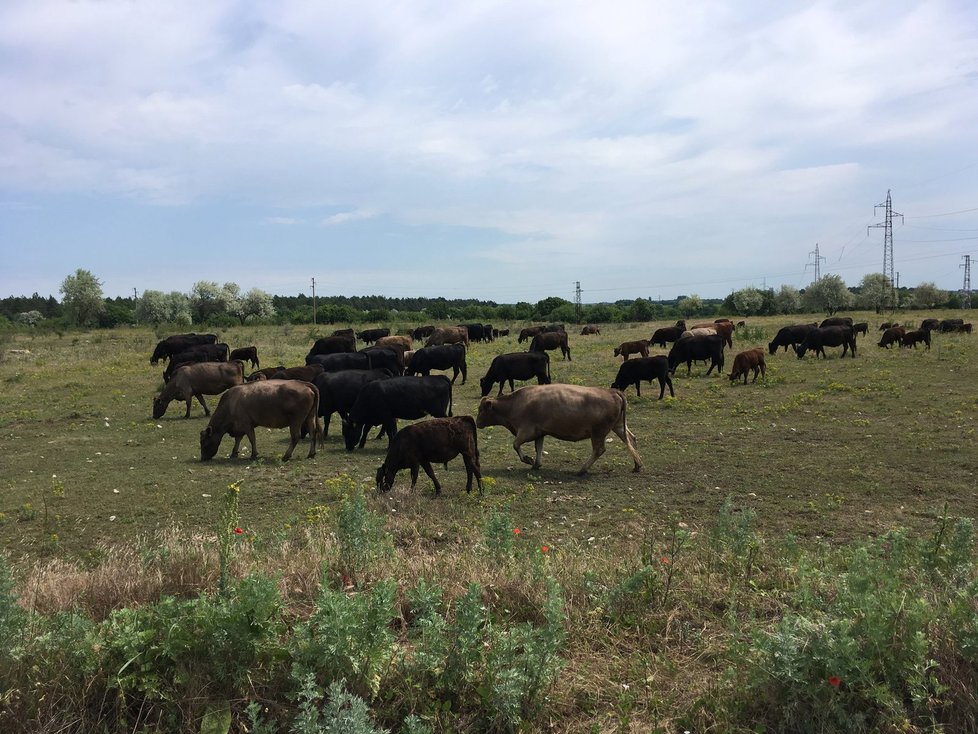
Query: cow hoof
pixel 527 460
pixel 636 470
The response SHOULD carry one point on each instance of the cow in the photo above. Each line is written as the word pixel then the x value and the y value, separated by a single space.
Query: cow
pixel 691 348
pixel 887 325
pixel 341 361
pixel 333 345
pixel 196 381
pixel 402 343
pixel 338 391
pixel 681 324
pixel 350 333
pixel 590 330
pixel 264 373
pixel 489 333
pixel 448 335
pixel 551 340
pixel 625 349
pixel 180 343
pixel 722 327
pixel 422 332
pixel 497 333
pixel 382 402
pixel 246 353
pixel 861 328
pixel 371 335
pixel 893 335
pixel 911 338
pixel 666 335
pixel 268 403
pixel 444 357
pixel 930 324
pixel 386 358
pixel 566 412
pixel 529 332
pixel 516 366
pixel 202 353
pixel 306 373
pixel 949 325
pixel 553 327
pixel 828 336
pixel 476 332
pixel 752 359
pixel 790 336
pixel 438 440
pixel 634 371
pixel 836 321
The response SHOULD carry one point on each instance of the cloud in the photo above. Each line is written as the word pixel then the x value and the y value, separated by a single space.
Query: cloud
pixel 347 217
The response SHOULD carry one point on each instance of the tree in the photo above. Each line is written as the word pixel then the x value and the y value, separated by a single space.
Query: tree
pixel 30 318
pixel 545 308
pixel 875 291
pixel 157 307
pixel 829 294
pixel 928 295
pixel 209 300
pixel 787 299
pixel 641 309
pixel 748 301
pixel 83 300
pixel 256 303
pixel 689 305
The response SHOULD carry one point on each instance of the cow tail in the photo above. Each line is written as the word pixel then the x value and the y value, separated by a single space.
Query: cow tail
pixel 449 400
pixel 629 436
pixel 470 423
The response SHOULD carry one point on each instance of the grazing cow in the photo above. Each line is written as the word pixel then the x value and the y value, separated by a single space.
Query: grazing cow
pixel 529 332
pixel 338 391
pixel 911 338
pixel 589 330
pixel 722 327
pixel 372 335
pixel 333 345
pixel 634 371
pixel 341 361
pixel 202 353
pixel 949 325
pixel 930 324
pixel 196 381
pixel 422 332
pixel 681 324
pixel 666 335
pixel 790 336
pixel 306 373
pixel 752 359
pixel 496 333
pixel 828 336
pixel 249 354
pixel 265 373
pixel 268 403
pixel 893 335
pixel 345 332
pixel 741 323
pixel 551 340
pixel 861 328
pixel 489 333
pixel 386 358
pixel 180 343
pixel 438 440
pixel 382 402
pixel 566 412
pixel 448 335
pixel 444 357
pixel 516 366
pixel 836 321
pixel 625 349
pixel 476 332
pixel 965 328
pixel 692 348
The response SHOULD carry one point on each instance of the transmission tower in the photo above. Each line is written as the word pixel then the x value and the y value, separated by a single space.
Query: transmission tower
pixel 887 225
pixel 815 264
pixel 577 299
pixel 967 280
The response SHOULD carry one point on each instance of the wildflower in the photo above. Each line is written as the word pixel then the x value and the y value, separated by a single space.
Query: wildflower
pixel 835 681
pixel 665 560
pixel 544 548
pixel 238 531
pixel 516 531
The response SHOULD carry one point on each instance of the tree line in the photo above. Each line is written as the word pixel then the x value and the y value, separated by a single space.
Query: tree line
pixel 208 303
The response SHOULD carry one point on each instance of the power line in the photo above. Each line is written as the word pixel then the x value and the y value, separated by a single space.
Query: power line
pixel 943 214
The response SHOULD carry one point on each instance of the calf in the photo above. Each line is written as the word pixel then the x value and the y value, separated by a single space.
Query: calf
pixel 372 335
pixel 633 371
pixel 893 335
pixel 861 328
pixel 196 381
pixel 911 338
pixel 589 330
pixel 551 340
pixel 752 359
pixel 269 403
pixel 264 373
pixel 438 440
pixel 384 401
pixel 625 349
pixel 516 366
pixel 246 353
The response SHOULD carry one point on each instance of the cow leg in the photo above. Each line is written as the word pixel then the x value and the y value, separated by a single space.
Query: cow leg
pixel 391 428
pixel 628 438
pixel 294 438
pixel 414 475
pixel 518 445
pixel 312 425
pixel 200 399
pixel 597 448
pixel 689 368
pixel 426 465
pixel 538 445
pixel 465 373
pixel 511 388
pixel 363 435
pixel 189 401
pixel 471 469
pixel 237 444
pixel 638 387
pixel 251 439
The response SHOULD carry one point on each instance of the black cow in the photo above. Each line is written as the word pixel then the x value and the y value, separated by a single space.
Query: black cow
pixel 490 333
pixel 342 361
pixel 385 358
pixel 666 335
pixel 861 328
pixel 201 353
pixel 246 353
pixel 422 332
pixel 790 336
pixel 828 336
pixel 382 402
pixel 949 325
pixel 338 391
pixel 633 371
pixel 553 327
pixel 477 332
pixel 180 343
pixel 443 357
pixel 333 345
pixel 930 324
pixel 551 340
pixel 692 348
pixel 372 335
pixel 836 321
pixel 516 366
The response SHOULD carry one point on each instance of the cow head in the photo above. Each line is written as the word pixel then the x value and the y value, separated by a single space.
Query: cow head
pixel 772 347
pixel 486 384
pixel 800 351
pixel 159 407
pixel 210 442
pixel 350 434
pixel 385 478
pixel 487 413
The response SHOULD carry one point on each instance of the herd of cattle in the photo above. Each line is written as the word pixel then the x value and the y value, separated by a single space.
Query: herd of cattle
pixel 388 380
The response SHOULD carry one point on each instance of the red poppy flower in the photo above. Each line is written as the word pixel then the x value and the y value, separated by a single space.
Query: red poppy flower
pixel 664 560
pixel 544 548
pixel 238 531
pixel 835 681
pixel 516 531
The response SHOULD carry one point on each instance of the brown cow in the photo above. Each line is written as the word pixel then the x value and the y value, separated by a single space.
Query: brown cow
pixel 246 353
pixel 403 343
pixel 893 335
pixel 547 340
pixel 911 338
pixel 196 381
pixel 566 412
pixel 438 440
pixel 589 330
pixel 306 373
pixel 448 335
pixel 752 359
pixel 636 347
pixel 265 373
pixel 270 403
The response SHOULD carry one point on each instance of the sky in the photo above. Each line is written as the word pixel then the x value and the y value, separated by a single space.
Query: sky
pixel 495 150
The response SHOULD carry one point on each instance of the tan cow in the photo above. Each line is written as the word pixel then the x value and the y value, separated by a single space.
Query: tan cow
pixel 566 412
pixel 448 335
pixel 625 349
pixel 196 381
pixel 270 403
pixel 403 343
pixel 752 359
pixel 722 327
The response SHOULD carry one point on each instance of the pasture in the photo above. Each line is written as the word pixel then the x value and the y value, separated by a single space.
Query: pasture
pixel 834 448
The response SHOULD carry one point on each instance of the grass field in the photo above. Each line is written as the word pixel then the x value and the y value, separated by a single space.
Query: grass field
pixel 835 448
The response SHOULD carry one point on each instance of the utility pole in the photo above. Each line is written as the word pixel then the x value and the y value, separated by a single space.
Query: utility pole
pixel 817 261
pixel 887 225
pixel 967 280
pixel 577 299
pixel 313 301
pixel 134 296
